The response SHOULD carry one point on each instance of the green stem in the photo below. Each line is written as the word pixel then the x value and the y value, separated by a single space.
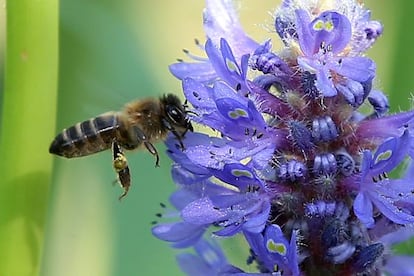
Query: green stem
pixel 28 122
pixel 402 81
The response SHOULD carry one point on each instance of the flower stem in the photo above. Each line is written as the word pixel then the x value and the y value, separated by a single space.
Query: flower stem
pixel 28 122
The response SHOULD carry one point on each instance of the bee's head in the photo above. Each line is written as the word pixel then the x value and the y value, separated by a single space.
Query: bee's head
pixel 175 114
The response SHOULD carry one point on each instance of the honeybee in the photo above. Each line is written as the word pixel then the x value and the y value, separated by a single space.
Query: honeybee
pixel 140 124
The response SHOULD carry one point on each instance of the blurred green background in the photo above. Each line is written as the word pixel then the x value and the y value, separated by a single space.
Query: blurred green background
pixel 63 217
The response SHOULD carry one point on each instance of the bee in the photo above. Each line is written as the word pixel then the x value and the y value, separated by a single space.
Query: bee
pixel 140 124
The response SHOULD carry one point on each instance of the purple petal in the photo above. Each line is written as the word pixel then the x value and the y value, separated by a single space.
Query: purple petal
pixel 240 114
pixel 274 233
pixel 182 157
pixel 384 127
pixel 220 20
pixel 198 95
pixel 379 102
pixel 202 156
pixel 257 223
pixel 225 64
pixel 288 259
pixel 193 265
pixel 353 92
pixel 238 175
pixel 388 208
pixel 401 235
pixel 366 163
pixel 223 90
pixel 219 64
pixel 331 28
pixel 182 197
pixel 228 200
pixel 409 172
pixel 182 233
pixel 324 83
pixel 228 57
pixel 229 230
pixel 390 153
pixel 201 211
pixel 185 177
pixel 399 265
pixel 211 252
pixel 234 111
pixel 210 259
pixel 366 34
pixel 307 41
pixel 360 69
pixel 293 254
pixel 200 71
pixel 261 154
pixel 363 210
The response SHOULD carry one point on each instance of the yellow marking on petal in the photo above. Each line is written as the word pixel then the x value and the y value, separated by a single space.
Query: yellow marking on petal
pixel 383 156
pixel 329 26
pixel 246 160
pixel 318 25
pixel 238 112
pixel 231 66
pixel 239 173
pixel 274 247
pixel 223 184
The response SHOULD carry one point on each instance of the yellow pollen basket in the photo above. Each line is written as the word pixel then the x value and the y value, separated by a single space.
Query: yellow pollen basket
pixel 120 163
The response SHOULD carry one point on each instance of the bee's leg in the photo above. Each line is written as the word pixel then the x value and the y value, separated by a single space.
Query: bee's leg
pixel 151 148
pixel 120 165
pixel 173 131
pixel 148 145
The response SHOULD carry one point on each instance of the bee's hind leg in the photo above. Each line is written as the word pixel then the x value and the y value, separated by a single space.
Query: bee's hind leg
pixel 120 164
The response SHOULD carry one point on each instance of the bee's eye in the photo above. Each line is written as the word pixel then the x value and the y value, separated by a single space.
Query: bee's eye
pixel 175 114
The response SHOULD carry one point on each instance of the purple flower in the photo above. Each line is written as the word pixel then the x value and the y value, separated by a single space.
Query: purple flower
pixel 272 249
pixel 375 188
pixel 181 234
pixel 208 260
pixel 289 161
pixel 322 41
pixel 398 264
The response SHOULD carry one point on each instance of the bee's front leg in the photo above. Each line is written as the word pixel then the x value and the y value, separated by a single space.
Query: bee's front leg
pixel 175 133
pixel 120 164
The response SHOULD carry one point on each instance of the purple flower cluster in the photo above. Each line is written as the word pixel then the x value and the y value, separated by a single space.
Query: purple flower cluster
pixel 291 162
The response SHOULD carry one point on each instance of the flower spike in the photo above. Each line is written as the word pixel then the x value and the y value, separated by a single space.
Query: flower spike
pixel 292 163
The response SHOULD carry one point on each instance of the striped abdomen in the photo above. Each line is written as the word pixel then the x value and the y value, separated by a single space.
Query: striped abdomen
pixel 87 137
